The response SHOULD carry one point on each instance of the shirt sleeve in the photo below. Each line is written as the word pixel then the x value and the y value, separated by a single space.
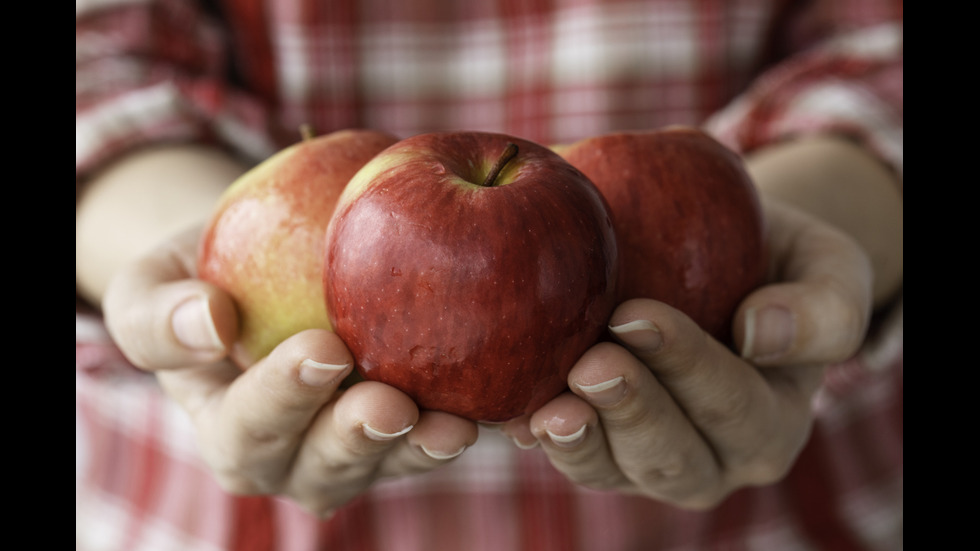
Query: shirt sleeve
pixel 846 78
pixel 152 71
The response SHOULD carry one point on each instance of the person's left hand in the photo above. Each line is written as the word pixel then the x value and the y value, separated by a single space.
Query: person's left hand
pixel 672 414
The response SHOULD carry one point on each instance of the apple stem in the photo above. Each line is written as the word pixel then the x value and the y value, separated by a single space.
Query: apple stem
pixel 306 131
pixel 509 153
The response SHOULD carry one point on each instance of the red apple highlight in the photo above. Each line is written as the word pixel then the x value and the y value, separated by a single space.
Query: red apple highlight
pixel 264 242
pixel 470 270
pixel 687 216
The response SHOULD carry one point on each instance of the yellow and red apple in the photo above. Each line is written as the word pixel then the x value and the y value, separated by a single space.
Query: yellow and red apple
pixel 264 242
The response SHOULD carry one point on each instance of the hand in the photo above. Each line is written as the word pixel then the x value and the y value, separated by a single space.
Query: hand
pixel 672 414
pixel 283 426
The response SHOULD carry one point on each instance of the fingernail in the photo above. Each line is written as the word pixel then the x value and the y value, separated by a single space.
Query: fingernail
pixel 524 445
pixel 440 455
pixel 569 441
pixel 641 334
pixel 606 393
pixel 375 434
pixel 523 439
pixel 769 332
pixel 314 373
pixel 192 325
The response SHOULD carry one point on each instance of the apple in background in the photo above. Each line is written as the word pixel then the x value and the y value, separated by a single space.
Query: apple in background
pixel 687 216
pixel 264 242
pixel 470 270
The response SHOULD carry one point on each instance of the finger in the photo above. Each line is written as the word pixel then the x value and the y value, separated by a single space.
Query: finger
pixel 518 430
pixel 574 440
pixel 754 431
pixel 162 318
pixel 436 439
pixel 251 426
pixel 344 448
pixel 820 311
pixel 650 437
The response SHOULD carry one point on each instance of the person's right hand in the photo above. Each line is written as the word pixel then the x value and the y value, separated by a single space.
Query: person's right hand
pixel 283 426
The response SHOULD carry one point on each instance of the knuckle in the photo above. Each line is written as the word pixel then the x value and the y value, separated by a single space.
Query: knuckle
pixel 686 492
pixel 323 501
pixel 702 502
pixel 266 439
pixel 604 480
pixel 678 479
pixel 319 508
pixel 768 467
pixel 246 474
pixel 238 483
pixel 321 497
pixel 769 471
pixel 727 410
pixel 345 464
pixel 667 474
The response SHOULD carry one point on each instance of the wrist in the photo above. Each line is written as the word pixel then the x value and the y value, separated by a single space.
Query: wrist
pixel 139 201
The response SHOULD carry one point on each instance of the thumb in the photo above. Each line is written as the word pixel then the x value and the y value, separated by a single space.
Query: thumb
pixel 161 317
pixel 819 309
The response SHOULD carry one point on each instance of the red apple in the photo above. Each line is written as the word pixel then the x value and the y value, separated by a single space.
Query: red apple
pixel 687 216
pixel 264 242
pixel 470 270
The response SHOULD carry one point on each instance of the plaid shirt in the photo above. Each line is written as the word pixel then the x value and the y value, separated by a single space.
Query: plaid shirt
pixel 246 74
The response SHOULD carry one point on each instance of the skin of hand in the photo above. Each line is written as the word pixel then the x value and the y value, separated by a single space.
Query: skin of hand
pixel 284 426
pixel 668 412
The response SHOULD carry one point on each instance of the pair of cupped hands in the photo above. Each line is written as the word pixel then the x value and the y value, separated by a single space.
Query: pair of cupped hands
pixel 665 411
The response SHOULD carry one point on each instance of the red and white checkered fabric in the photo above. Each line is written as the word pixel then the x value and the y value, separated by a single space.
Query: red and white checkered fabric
pixel 247 73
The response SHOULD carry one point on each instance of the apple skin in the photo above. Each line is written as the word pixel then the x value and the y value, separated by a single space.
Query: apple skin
pixel 688 219
pixel 472 300
pixel 264 242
